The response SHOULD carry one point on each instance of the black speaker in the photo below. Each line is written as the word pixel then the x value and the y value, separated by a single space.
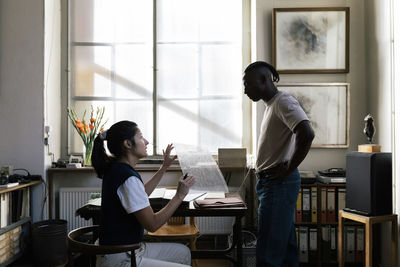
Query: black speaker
pixel 369 183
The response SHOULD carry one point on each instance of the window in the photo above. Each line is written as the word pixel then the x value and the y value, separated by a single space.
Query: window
pixel 172 66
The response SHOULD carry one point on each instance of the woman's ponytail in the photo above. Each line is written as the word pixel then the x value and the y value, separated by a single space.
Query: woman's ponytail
pixel 100 159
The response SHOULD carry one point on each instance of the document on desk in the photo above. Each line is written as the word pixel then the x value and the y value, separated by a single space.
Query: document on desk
pixel 165 193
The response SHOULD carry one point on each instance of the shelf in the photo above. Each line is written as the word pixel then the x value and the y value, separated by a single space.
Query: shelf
pixel 12 259
pixel 5 190
pixel 14 225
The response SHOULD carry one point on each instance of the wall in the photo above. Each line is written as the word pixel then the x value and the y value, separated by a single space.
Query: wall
pixel 21 89
pixel 321 158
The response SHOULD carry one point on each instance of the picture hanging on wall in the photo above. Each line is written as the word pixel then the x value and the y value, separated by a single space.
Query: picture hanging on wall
pixel 327 107
pixel 311 40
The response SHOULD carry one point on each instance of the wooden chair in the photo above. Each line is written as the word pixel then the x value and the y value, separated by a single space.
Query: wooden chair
pixel 76 244
pixel 176 229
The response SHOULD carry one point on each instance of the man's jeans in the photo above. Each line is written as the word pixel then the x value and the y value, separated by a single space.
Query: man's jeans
pixel 276 241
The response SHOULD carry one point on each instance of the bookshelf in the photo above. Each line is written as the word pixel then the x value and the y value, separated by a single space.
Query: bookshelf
pixel 15 219
pixel 316 222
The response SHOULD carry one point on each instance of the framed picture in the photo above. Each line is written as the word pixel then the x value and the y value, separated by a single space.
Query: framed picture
pixel 327 107
pixel 311 40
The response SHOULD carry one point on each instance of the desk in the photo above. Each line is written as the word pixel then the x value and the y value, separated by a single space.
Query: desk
pixel 93 212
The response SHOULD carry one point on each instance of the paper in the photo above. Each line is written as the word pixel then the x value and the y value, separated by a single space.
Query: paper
pixel 158 193
pixel 170 193
pixel 215 194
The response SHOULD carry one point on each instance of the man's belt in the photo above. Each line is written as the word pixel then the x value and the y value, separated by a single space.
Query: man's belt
pixel 267 173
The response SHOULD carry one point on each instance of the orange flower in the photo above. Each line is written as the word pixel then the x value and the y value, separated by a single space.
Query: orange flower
pixel 92 120
pixel 102 129
pixel 91 126
pixel 79 124
pixel 82 129
pixel 86 129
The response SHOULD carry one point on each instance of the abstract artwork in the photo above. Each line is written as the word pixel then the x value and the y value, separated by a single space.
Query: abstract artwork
pixel 327 107
pixel 311 40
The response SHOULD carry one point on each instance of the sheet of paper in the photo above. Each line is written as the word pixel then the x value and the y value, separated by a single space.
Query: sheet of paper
pixel 192 195
pixel 158 193
pixel 216 194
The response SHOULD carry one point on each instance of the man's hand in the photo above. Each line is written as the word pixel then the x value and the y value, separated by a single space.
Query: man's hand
pixel 168 159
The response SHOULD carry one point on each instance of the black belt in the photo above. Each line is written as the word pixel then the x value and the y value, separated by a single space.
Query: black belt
pixel 267 173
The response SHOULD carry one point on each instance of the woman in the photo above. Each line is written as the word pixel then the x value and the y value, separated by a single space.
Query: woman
pixel 125 207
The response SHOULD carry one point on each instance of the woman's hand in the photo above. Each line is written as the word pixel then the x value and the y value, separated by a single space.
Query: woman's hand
pixel 168 159
pixel 184 185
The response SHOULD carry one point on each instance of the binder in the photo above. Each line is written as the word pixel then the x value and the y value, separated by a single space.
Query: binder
pixel 297 236
pixel 314 209
pixel 306 214
pixel 303 244
pixel 360 244
pixel 326 243
pixel 333 250
pixel 341 199
pixel 323 204
pixel 330 203
pixel 298 207
pixel 313 249
pixel 350 243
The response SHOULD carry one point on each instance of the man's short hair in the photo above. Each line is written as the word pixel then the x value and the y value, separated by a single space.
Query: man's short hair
pixel 260 64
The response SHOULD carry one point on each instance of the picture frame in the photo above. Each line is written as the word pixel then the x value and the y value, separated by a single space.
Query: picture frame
pixel 311 40
pixel 327 107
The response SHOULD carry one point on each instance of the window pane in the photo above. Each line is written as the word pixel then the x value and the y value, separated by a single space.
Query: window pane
pixel 177 123
pixel 177 75
pixel 111 21
pixel 220 20
pixel 91 71
pixel 140 112
pixel 220 124
pixel 221 70
pixel 133 71
pixel 177 21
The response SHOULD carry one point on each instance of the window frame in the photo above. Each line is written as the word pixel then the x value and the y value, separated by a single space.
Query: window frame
pixel 66 76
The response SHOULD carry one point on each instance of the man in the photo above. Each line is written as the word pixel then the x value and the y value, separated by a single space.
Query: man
pixel 284 141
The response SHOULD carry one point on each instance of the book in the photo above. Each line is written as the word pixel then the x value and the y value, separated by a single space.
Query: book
pixel 219 202
pixel 8 185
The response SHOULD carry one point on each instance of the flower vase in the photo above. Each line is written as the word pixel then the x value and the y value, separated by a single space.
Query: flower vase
pixel 87 155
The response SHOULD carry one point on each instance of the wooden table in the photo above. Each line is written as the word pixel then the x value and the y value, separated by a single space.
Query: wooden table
pixel 368 221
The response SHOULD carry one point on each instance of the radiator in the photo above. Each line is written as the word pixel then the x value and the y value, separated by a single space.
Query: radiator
pixel 72 198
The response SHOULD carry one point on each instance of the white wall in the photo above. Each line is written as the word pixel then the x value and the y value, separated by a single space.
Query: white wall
pixel 322 158
pixel 21 88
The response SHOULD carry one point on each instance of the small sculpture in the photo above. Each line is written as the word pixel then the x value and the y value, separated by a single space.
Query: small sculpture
pixel 369 129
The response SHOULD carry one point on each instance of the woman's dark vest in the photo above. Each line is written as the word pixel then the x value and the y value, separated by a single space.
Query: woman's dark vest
pixel 117 227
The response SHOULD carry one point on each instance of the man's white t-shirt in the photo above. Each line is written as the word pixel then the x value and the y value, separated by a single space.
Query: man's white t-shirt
pixel 277 141
pixel 132 195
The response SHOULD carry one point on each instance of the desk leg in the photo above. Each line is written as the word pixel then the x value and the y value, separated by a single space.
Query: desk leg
pixel 238 232
pixel 340 243
pixel 394 241
pixel 368 244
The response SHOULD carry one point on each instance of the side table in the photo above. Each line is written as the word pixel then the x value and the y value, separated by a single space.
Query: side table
pixel 368 221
